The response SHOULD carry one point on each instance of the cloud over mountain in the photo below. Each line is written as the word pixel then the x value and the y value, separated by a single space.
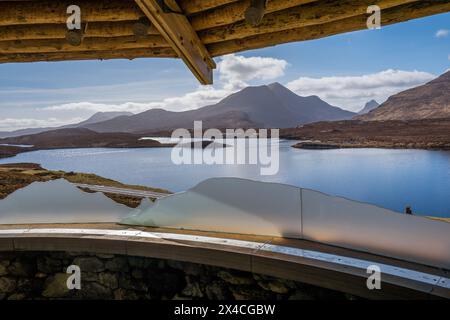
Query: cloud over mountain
pixel 234 72
pixel 10 124
pixel 237 71
pixel 353 91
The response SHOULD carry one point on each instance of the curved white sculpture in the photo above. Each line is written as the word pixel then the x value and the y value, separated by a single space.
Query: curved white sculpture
pixel 228 205
pixel 249 207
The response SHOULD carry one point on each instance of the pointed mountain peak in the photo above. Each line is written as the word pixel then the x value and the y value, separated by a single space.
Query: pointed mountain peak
pixel 369 106
pixel 276 85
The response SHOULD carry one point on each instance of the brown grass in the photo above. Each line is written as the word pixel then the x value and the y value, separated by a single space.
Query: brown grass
pixel 414 134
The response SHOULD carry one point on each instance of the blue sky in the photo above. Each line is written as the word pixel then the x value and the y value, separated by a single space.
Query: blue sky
pixel 346 70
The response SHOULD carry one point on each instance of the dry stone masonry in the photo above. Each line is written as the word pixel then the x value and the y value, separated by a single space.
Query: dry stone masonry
pixel 42 275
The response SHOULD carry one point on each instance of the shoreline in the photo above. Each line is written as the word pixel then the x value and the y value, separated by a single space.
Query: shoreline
pixel 14 151
pixel 429 134
pixel 319 145
pixel 5 154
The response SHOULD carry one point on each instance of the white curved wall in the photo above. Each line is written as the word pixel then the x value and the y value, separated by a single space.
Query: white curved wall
pixel 365 227
pixel 228 205
pixel 249 207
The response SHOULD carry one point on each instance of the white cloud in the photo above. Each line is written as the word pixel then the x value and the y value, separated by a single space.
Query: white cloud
pixel 352 92
pixel 11 124
pixel 442 33
pixel 235 73
pixel 201 97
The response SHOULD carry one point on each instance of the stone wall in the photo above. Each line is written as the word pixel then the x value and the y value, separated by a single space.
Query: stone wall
pixel 42 275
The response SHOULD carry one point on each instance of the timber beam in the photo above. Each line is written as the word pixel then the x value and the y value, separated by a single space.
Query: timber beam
pixel 314 13
pixel 178 32
pixel 95 44
pixel 90 55
pixel 58 31
pixel 415 10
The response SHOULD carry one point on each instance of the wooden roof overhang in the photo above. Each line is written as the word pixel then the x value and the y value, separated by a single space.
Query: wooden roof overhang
pixel 193 30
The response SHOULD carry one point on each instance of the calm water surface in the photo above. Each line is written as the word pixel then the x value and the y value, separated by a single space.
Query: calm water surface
pixel 390 178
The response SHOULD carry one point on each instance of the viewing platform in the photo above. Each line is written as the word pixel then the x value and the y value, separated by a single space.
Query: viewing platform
pixel 299 260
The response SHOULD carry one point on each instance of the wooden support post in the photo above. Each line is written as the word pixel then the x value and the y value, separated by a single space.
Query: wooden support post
pixel 255 13
pixel 177 30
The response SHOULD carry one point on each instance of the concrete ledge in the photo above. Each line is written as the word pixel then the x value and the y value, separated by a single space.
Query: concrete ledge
pixel 299 260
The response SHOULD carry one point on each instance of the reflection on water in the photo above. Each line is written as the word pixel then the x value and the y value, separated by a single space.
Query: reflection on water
pixel 392 179
pixel 58 202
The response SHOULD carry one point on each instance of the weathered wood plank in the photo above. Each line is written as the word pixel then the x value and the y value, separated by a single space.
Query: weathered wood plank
pixel 58 31
pixel 32 12
pixel 189 6
pixel 95 44
pixel 390 16
pixel 196 6
pixel 315 13
pixel 90 55
pixel 178 32
pixel 235 12
pixel 35 12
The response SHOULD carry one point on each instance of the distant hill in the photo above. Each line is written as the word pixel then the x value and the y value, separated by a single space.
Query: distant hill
pixel 429 101
pixel 371 105
pixel 97 117
pixel 79 138
pixel 100 117
pixel 272 106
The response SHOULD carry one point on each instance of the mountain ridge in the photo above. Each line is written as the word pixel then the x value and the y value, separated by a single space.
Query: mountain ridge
pixel 428 101
pixel 267 106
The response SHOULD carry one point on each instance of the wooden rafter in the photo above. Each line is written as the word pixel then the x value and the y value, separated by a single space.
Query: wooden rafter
pixel 314 13
pixel 418 9
pixel 52 31
pixel 90 55
pixel 58 45
pixel 196 6
pixel 178 32
pixel 234 12
pixel 37 12
pixel 196 30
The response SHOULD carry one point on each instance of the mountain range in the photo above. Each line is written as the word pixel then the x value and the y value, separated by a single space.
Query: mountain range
pixel 429 101
pixel 268 106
